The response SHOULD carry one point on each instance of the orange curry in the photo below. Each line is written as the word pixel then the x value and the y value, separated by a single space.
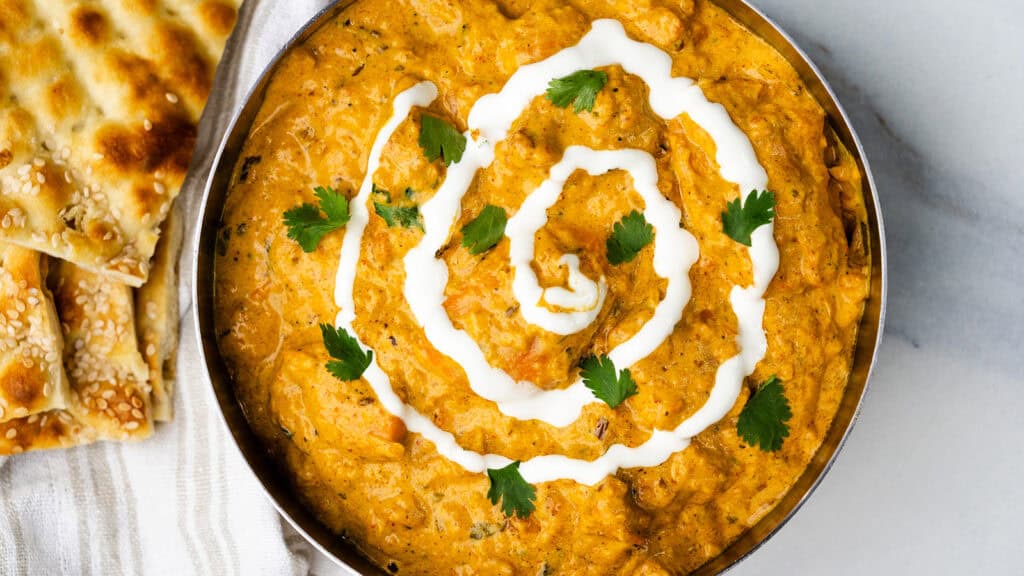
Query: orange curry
pixel 406 507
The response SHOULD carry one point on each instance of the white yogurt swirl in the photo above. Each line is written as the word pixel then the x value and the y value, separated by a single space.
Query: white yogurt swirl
pixel 675 251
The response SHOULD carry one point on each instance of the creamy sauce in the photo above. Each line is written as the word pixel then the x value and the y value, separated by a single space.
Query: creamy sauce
pixel 675 251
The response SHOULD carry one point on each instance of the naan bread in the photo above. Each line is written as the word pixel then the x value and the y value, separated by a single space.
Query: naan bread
pixel 32 378
pixel 109 378
pixel 98 111
pixel 156 318
pixel 109 390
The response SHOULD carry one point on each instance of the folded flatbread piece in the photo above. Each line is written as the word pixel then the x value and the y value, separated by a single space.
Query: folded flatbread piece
pixel 108 377
pixel 98 110
pixel 32 378
pixel 156 317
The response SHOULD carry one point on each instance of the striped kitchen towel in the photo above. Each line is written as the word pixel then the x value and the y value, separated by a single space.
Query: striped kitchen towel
pixel 184 501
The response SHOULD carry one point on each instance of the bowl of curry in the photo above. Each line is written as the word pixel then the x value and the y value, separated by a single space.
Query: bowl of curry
pixel 540 287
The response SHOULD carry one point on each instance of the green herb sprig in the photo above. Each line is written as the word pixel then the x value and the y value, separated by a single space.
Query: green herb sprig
pixel 439 139
pixel 307 226
pixel 517 497
pixel 741 219
pixel 579 89
pixel 762 421
pixel 486 230
pixel 349 361
pixel 629 236
pixel 609 385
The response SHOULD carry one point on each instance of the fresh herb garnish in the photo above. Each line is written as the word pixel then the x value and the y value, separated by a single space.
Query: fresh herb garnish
pixel 486 230
pixel 307 226
pixel 405 216
pixel 579 89
pixel 439 139
pixel 741 219
pixel 762 422
pixel 629 236
pixel 608 384
pixel 508 486
pixel 349 361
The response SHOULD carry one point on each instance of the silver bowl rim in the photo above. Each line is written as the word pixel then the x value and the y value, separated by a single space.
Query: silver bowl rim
pixel 340 550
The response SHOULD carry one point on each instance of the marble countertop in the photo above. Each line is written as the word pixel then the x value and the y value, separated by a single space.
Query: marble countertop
pixel 930 482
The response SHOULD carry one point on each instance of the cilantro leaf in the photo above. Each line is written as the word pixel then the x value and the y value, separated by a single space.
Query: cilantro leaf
pixel 486 230
pixel 439 139
pixel 608 384
pixel 404 216
pixel 740 220
pixel 762 422
pixel 629 236
pixel 305 224
pixel 579 89
pixel 349 361
pixel 508 486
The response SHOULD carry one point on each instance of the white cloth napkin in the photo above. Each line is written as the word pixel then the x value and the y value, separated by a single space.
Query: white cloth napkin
pixel 184 501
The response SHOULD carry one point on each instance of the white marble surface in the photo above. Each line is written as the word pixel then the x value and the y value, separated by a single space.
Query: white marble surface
pixel 932 479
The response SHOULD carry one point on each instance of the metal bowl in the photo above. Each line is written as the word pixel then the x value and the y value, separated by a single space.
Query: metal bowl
pixel 343 552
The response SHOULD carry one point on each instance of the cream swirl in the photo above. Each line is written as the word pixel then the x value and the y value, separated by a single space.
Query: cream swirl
pixel 675 251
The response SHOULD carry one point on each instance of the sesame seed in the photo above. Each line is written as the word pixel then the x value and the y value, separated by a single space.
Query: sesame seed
pixel 40 177
pixel 172 98
pixel 159 188
pixel 24 170
pixel 131 425
pixel 101 404
pixel 124 407
pixel 136 401
pixel 11 433
pixel 147 125
pixel 39 162
pixel 65 153
pixel 150 350
pixel 137 413
pixel 108 394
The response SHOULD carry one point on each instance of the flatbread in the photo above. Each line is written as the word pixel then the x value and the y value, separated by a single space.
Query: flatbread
pixel 98 112
pixel 32 378
pixel 156 317
pixel 108 378
pixel 54 429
